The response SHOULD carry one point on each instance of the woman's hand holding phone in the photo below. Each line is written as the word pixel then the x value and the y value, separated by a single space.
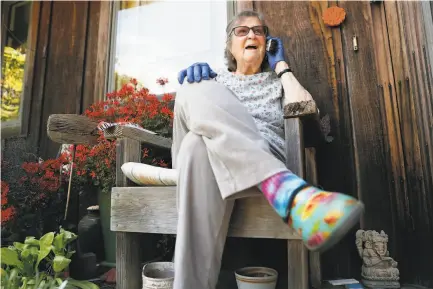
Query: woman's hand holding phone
pixel 276 54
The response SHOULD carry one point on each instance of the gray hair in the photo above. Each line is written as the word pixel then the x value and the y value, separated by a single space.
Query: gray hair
pixel 231 61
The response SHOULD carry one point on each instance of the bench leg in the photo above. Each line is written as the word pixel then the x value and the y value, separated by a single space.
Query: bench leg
pixel 312 178
pixel 297 264
pixel 128 269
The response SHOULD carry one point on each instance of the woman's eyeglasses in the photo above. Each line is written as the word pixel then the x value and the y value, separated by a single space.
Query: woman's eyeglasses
pixel 244 30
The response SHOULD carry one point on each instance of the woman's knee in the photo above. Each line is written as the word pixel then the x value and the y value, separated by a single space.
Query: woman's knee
pixel 192 149
pixel 202 92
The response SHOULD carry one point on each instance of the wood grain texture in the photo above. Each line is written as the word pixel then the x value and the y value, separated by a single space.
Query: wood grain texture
pixel 314 257
pixel 415 208
pixel 91 56
pixel 65 68
pixel 128 273
pixel 128 269
pixel 295 156
pixel 139 135
pixel 32 41
pixel 369 152
pixel 41 58
pixel 153 210
pixel 389 110
pixel 315 52
pixel 127 150
pixel 297 271
pixel 103 50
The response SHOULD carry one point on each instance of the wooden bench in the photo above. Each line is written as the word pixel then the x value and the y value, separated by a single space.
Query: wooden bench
pixel 137 210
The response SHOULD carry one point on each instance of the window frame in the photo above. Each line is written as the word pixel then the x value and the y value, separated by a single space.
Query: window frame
pixel 19 127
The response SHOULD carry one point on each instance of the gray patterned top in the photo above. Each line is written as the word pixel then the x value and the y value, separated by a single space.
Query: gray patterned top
pixel 262 94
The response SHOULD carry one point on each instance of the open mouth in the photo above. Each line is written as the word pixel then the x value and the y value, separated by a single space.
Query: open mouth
pixel 250 47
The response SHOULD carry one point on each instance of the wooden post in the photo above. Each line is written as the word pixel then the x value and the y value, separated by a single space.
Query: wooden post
pixel 128 269
pixel 297 253
pixel 314 257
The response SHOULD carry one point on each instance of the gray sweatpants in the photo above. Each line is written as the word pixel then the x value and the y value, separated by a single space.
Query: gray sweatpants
pixel 220 156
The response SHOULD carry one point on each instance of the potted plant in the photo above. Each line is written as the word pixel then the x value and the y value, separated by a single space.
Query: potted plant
pixel 97 164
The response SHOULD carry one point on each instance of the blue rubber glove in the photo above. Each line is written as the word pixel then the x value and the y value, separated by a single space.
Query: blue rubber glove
pixel 196 72
pixel 278 55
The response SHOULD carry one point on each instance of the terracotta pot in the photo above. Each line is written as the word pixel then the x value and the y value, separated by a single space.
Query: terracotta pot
pixel 256 278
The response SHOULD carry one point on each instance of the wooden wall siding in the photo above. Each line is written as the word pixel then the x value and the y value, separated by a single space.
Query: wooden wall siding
pixel 70 67
pixel 379 100
pixel 65 68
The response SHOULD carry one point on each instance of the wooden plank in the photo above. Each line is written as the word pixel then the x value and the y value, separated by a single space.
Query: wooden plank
pixel 424 89
pixel 409 134
pixel 417 214
pixel 244 5
pixel 128 273
pixel 153 210
pixel 32 43
pixel 390 113
pixel 139 135
pixel 301 108
pixel 428 27
pixel 65 67
pixel 128 269
pixel 335 160
pixel 103 48
pixel 40 68
pixel 314 257
pixel 89 78
pixel 127 150
pixel 294 146
pixel 297 271
pixel 369 153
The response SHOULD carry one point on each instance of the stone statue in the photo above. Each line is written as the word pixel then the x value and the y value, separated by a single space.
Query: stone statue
pixel 378 269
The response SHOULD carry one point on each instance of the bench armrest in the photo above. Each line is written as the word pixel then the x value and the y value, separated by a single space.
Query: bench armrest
pixel 308 114
pixel 117 132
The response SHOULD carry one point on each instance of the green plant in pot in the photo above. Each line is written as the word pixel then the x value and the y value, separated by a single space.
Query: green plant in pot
pixel 21 263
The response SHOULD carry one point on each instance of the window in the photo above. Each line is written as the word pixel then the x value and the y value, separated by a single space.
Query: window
pixel 15 51
pixel 154 39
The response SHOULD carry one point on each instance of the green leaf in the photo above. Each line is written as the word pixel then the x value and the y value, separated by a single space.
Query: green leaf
pixel 68 236
pixel 10 257
pixel 45 246
pixel 58 244
pixel 60 263
pixel 31 241
pixel 19 246
pixel 69 254
pixel 82 284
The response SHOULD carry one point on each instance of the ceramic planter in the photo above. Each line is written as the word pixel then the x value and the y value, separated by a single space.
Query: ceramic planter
pixel 158 275
pixel 256 278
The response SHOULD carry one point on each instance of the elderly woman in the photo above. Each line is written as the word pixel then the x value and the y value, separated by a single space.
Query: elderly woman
pixel 229 137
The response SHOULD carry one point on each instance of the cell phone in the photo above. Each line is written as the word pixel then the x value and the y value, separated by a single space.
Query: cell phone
pixel 271 46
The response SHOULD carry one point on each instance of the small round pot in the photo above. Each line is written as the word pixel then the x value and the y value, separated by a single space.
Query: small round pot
pixel 256 278
pixel 158 275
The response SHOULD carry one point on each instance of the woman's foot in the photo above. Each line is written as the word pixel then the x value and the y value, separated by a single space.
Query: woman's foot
pixel 321 218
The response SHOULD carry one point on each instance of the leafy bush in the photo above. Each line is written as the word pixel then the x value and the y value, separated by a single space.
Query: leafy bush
pixel 21 263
